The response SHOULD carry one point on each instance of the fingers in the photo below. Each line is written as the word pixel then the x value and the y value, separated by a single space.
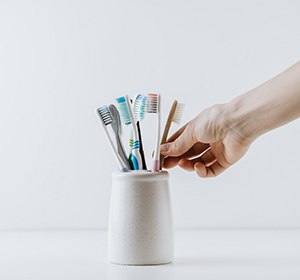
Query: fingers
pixel 196 150
pixel 188 165
pixel 176 134
pixel 211 171
pixel 181 144
pixel 205 166
pixel 207 159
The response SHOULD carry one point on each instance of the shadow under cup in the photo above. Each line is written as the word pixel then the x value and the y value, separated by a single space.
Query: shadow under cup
pixel 140 230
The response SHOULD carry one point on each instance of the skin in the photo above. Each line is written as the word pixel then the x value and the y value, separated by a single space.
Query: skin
pixel 220 135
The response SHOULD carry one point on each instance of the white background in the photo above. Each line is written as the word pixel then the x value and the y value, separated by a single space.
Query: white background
pixel 61 59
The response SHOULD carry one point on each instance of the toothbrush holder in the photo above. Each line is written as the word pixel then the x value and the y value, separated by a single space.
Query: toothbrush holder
pixel 140 230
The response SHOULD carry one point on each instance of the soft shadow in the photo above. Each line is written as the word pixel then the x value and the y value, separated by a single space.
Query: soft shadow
pixel 130 272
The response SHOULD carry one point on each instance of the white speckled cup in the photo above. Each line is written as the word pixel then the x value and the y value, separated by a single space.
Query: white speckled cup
pixel 140 230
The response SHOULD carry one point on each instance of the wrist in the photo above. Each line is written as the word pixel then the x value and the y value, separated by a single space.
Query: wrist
pixel 244 117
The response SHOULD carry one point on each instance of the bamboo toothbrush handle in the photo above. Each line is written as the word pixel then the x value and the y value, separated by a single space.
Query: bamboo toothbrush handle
pixel 169 121
pixel 167 127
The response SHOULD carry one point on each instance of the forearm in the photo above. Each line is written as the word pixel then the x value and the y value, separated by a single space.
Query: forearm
pixel 270 105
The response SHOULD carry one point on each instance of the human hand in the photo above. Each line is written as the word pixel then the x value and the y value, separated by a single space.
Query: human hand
pixel 208 144
pixel 219 136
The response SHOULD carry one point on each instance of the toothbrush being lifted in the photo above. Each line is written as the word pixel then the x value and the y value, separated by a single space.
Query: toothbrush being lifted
pixel 175 116
pixel 128 118
pixel 153 107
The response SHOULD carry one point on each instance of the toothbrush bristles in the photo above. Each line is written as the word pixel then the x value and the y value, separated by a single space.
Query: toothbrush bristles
pixel 105 115
pixel 139 108
pixel 124 110
pixel 152 103
pixel 178 113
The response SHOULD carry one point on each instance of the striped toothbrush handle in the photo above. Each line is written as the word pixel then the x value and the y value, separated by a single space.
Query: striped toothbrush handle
pixel 134 157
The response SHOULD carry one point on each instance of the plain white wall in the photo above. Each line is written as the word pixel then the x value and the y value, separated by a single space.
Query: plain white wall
pixel 60 59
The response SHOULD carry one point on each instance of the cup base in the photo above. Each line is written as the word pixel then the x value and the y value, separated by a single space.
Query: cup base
pixel 146 264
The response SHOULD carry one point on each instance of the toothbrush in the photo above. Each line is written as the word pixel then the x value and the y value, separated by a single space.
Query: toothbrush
pixel 130 143
pixel 139 109
pixel 117 128
pixel 153 107
pixel 106 120
pixel 130 149
pixel 128 118
pixel 175 116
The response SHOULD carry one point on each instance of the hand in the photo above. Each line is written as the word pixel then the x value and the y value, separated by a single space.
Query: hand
pixel 219 136
pixel 208 144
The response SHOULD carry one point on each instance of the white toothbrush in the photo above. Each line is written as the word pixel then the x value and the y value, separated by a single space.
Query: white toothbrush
pixel 117 128
pixel 106 120
pixel 153 107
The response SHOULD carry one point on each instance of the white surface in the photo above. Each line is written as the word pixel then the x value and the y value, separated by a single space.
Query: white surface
pixel 72 255
pixel 59 59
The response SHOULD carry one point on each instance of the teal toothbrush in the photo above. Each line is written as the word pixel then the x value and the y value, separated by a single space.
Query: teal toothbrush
pixel 128 118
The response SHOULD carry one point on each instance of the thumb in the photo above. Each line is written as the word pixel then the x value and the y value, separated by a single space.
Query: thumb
pixel 180 145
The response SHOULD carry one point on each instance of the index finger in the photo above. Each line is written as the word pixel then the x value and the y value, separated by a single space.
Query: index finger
pixel 176 134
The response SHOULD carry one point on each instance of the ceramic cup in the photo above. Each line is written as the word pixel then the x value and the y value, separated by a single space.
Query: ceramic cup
pixel 140 230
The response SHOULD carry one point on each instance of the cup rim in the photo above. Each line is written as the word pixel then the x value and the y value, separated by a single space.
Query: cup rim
pixel 141 174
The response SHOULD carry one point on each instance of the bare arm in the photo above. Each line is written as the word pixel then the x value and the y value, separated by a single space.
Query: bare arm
pixel 270 105
pixel 219 136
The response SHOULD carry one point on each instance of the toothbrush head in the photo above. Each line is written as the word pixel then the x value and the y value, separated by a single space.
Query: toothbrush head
pixel 178 113
pixel 104 115
pixel 116 120
pixel 153 103
pixel 139 107
pixel 124 110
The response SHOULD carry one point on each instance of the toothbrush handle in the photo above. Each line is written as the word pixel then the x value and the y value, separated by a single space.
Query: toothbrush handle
pixel 130 141
pixel 120 162
pixel 157 148
pixel 156 156
pixel 134 162
pixel 155 166
pixel 144 165
pixel 121 151
pixel 135 156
